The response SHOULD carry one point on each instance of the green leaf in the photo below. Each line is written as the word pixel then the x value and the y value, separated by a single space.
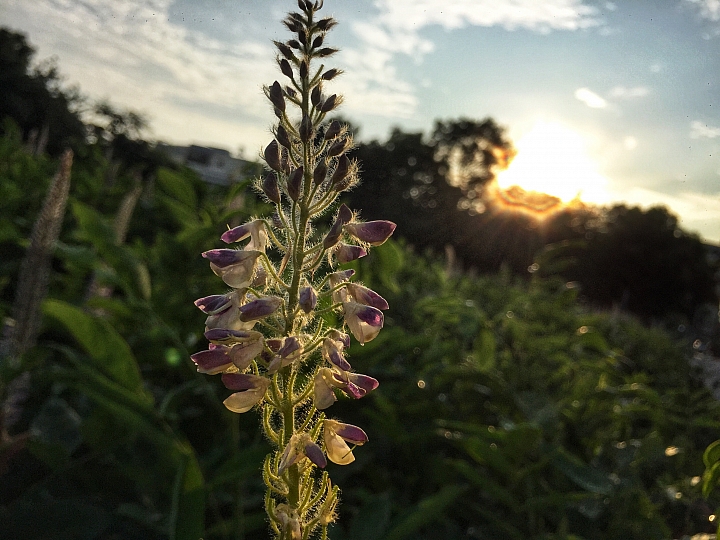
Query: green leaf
pixel 712 454
pixel 585 476
pixel 177 187
pixel 711 477
pixel 428 510
pixel 484 351
pixel 371 521
pixel 100 341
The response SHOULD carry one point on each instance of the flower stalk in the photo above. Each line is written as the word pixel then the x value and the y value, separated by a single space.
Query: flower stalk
pixel 268 338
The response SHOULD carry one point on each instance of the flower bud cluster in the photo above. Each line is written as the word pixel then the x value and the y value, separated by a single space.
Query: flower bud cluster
pixel 269 336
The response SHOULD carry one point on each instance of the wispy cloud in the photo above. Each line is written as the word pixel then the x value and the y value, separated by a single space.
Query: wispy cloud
pixel 708 9
pixel 700 130
pixel 128 50
pixel 621 92
pixel 590 98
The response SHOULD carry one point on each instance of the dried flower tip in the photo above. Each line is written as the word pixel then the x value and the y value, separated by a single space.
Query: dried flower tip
pixel 306 129
pixel 308 299
pixel 330 74
pixel 294 184
pixel 320 173
pixel 289 521
pixel 374 233
pixel 330 103
pixel 347 253
pixel 270 187
pixel 275 94
pixel 333 130
pixel 272 155
pixel 285 68
pixel 259 309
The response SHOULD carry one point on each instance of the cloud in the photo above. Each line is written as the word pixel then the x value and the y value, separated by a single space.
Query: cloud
pixel 130 51
pixel 700 130
pixel 590 98
pixel 708 9
pixel 625 93
pixel 630 142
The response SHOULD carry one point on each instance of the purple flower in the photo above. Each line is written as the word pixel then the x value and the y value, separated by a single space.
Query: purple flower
pixel 374 233
pixel 251 391
pixel 260 308
pixel 366 296
pixel 254 229
pixel 212 361
pixel 346 253
pixel 299 447
pixel 364 322
pixel 335 279
pixel 235 267
pixel 332 352
pixel 354 385
pixel 308 299
pixel 290 351
pixel 335 435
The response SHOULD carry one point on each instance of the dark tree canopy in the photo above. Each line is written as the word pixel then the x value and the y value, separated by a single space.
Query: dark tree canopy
pixel 34 99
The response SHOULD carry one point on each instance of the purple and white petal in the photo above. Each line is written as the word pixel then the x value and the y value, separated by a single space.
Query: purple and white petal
pixel 374 233
pixel 259 309
pixel 366 296
pixel 212 361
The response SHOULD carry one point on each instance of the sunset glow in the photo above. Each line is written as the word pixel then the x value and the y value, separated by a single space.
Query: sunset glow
pixel 552 159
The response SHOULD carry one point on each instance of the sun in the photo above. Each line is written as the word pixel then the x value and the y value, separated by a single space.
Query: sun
pixel 552 159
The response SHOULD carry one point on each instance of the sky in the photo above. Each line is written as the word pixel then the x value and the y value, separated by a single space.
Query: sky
pixel 608 101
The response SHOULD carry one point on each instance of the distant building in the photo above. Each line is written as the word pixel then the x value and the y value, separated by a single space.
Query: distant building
pixel 214 165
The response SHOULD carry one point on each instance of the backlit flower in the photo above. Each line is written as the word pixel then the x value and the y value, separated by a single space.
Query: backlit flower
pixel 299 447
pixel 255 230
pixel 336 436
pixel 251 390
pixel 364 322
pixel 235 267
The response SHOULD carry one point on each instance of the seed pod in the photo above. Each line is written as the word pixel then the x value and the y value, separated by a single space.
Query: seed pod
pixel 306 129
pixel 303 69
pixel 316 95
pixel 338 147
pixel 329 104
pixel 320 173
pixel 330 74
pixel 295 44
pixel 294 184
pixel 270 187
pixel 276 96
pixel 327 51
pixel 341 171
pixel 272 155
pixel 285 68
pixel 333 130
pixel 317 42
pixel 282 137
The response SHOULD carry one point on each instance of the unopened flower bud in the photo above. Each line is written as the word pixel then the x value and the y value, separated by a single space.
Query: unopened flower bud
pixel 333 130
pixel 294 184
pixel 374 233
pixel 316 95
pixel 275 94
pixel 317 42
pixel 302 37
pixel 290 92
pixel 284 50
pixel 308 299
pixel 272 155
pixel 338 147
pixel 335 232
pixel 270 187
pixel 341 171
pixel 295 44
pixel 330 74
pixel 259 309
pixel 320 173
pixel 303 69
pixel 327 51
pixel 366 296
pixel 282 137
pixel 285 68
pixel 306 129
pixel 329 104
pixel 326 24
